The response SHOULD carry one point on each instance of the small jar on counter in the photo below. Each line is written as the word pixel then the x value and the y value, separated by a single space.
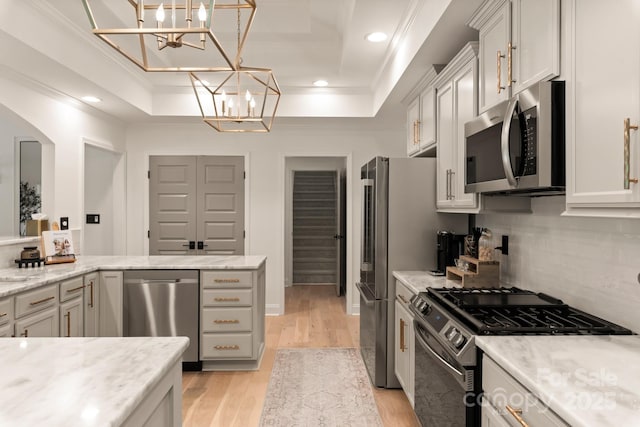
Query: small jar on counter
pixel 485 246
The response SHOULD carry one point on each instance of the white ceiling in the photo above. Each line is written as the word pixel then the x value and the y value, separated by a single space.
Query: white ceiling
pixel 49 43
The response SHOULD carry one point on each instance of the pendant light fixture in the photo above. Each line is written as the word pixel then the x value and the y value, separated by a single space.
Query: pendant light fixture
pixel 157 36
pixel 244 99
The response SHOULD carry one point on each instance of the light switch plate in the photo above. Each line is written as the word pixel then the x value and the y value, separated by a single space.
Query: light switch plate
pixel 93 219
pixel 64 223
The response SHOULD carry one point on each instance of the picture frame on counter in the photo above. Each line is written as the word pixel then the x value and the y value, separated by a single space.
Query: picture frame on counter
pixel 57 247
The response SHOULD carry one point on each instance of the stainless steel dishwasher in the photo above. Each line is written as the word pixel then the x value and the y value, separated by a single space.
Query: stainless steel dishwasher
pixel 164 303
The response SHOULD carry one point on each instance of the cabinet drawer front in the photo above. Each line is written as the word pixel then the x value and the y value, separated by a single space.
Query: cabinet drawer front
pixel 227 279
pixel 6 311
pixel 71 288
pixel 227 297
pixel 6 331
pixel 502 389
pixel 30 302
pixel 403 294
pixel 227 319
pixel 226 346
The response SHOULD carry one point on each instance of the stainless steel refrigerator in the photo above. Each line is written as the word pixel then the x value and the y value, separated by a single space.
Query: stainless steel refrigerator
pixel 399 224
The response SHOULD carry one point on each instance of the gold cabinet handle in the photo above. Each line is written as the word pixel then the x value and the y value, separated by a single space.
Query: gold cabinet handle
pixel 403 299
pixel 628 127
pixel 91 294
pixel 226 280
pixel 221 299
pixel 41 301
pixel 3 314
pixel 499 57
pixel 75 289
pixel 402 325
pixel 226 321
pixel 417 132
pixel 510 80
pixel 227 347
pixel 517 414
pixel 68 317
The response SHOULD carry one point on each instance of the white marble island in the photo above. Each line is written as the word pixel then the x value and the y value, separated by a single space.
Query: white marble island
pixel 590 381
pixel 91 381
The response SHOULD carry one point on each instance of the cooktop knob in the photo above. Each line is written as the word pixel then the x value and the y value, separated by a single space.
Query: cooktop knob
pixel 451 333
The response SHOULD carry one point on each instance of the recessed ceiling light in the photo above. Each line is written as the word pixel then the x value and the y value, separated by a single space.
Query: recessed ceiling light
pixel 376 37
pixel 90 98
pixel 321 83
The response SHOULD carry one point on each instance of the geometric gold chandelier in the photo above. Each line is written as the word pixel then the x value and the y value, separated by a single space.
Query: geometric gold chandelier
pixel 187 33
pixel 242 100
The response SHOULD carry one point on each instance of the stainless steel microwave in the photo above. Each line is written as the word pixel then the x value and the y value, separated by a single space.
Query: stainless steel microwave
pixel 518 146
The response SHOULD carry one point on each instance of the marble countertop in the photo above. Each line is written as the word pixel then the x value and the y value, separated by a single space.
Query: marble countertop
pixel 589 381
pixel 14 280
pixel 89 382
pixel 419 281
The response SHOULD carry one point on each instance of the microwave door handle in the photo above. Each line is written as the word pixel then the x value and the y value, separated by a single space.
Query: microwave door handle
pixel 504 146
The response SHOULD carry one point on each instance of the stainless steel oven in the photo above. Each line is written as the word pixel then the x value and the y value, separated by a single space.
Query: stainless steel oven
pixel 446 370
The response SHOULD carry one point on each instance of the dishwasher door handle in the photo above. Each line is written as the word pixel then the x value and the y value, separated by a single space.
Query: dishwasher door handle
pixel 160 281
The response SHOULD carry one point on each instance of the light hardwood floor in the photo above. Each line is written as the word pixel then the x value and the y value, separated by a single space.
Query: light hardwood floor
pixel 314 317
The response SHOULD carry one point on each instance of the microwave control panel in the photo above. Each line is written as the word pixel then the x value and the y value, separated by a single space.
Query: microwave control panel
pixel 529 142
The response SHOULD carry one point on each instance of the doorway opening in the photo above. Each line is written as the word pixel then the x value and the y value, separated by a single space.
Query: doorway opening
pixel 316 222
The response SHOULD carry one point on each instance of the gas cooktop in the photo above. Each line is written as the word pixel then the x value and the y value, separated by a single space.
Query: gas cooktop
pixel 496 311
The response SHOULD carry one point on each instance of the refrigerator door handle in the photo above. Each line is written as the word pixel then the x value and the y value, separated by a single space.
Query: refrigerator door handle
pixel 367 227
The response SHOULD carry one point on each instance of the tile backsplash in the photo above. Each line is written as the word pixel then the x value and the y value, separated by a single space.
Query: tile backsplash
pixel 590 263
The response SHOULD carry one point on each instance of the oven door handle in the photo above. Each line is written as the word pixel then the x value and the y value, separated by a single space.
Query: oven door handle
pixel 504 142
pixel 460 376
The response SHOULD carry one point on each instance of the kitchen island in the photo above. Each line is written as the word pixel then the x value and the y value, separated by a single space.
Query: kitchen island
pixel 86 298
pixel 91 381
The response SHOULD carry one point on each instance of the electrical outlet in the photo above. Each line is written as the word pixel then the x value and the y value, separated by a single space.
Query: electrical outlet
pixel 93 219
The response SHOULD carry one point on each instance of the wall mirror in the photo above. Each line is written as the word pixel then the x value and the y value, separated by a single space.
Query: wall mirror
pixel 27 163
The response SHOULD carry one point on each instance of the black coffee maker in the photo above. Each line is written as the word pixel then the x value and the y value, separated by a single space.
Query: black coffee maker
pixel 450 246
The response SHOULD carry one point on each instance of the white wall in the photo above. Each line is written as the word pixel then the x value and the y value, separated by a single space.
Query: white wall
pixel 359 140
pixel 65 123
pixel 590 263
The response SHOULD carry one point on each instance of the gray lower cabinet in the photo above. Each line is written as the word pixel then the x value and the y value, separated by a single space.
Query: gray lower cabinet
pixel 232 319
pixel 36 313
pixel 91 300
pixel 6 317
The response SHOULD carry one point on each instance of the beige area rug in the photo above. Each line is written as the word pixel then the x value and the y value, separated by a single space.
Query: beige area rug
pixel 319 387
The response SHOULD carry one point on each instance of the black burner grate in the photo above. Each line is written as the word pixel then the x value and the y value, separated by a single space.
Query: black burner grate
pixel 505 311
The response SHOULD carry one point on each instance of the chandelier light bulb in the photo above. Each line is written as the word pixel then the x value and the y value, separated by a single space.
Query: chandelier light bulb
pixel 202 13
pixel 230 106
pixel 247 95
pixel 160 13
